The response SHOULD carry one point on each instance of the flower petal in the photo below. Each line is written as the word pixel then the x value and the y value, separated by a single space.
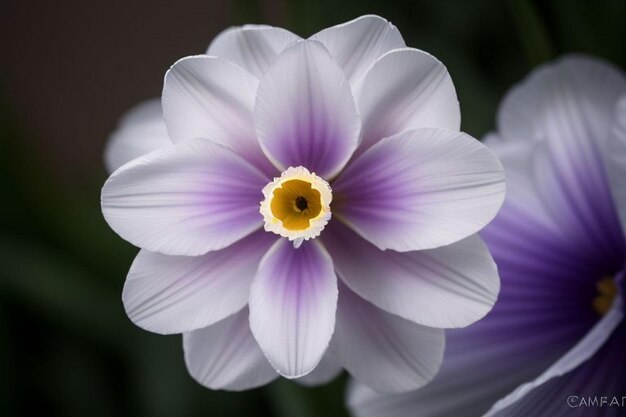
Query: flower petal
pixel 357 44
pixel 226 356
pixel 406 89
pixel 595 384
pixel 212 98
pixel 384 351
pixel 252 47
pixel 452 286
pixel 292 306
pixel 327 370
pixel 305 113
pixel 420 189
pixel 568 108
pixel 187 199
pixel 141 130
pixel 580 353
pixel 517 158
pixel 616 164
pixel 595 86
pixel 175 294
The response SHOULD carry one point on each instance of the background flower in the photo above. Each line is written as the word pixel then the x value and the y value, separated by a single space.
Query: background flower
pixel 561 251
pixel 70 70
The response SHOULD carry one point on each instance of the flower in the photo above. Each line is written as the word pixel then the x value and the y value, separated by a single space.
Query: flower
pixel 315 209
pixel 557 329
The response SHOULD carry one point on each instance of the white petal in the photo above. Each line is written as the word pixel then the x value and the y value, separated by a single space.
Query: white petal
pixel 406 89
pixel 327 370
pixel 451 286
pixel 357 44
pixel 522 188
pixel 594 83
pixel 212 98
pixel 580 353
pixel 186 199
pixel 420 189
pixel 252 47
pixel 616 163
pixel 292 306
pixel 141 130
pixel 226 356
pixel 384 351
pixel 175 294
pixel 305 114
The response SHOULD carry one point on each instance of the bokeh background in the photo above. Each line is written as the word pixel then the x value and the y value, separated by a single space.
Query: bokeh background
pixel 69 69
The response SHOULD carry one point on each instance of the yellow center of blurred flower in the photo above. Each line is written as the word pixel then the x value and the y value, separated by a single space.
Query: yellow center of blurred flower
pixel 607 291
pixel 296 205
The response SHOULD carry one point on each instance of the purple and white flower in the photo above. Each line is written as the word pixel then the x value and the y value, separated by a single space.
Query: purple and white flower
pixel 305 206
pixel 557 330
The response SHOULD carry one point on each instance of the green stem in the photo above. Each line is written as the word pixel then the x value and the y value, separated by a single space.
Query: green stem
pixel 531 31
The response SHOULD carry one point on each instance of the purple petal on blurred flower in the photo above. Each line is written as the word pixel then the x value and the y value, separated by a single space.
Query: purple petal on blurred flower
pixel 580 353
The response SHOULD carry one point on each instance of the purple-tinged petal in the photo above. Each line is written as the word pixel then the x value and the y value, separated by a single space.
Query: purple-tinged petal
pixel 452 286
pixel 141 130
pixel 226 356
pixel 420 189
pixel 252 47
pixel 581 206
pixel 517 158
pixel 305 114
pixel 186 199
pixel 580 353
pixel 357 44
pixel 568 108
pixel 595 85
pixel 596 387
pixel 616 160
pixel 175 294
pixel 292 306
pixel 212 98
pixel 327 370
pixel 382 350
pixel 544 308
pixel 406 89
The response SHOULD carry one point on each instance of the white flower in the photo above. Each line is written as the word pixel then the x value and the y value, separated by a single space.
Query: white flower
pixel 293 163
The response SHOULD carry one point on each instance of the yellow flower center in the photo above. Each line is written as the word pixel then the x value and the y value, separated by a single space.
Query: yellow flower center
pixel 296 205
pixel 607 291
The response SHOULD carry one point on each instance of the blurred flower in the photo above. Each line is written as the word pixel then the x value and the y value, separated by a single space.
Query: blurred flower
pixel 347 145
pixel 560 247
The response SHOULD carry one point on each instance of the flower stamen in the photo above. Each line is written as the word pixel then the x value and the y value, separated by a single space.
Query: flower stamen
pixel 607 291
pixel 296 205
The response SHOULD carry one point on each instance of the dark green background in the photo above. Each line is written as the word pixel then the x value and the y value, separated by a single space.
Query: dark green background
pixel 69 69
